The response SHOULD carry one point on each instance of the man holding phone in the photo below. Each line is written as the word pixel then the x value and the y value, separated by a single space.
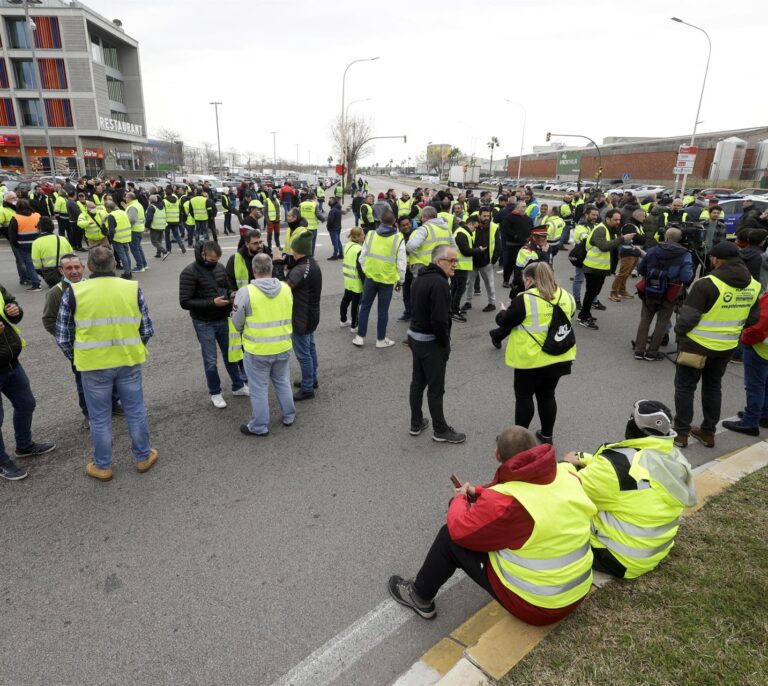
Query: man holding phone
pixel 204 291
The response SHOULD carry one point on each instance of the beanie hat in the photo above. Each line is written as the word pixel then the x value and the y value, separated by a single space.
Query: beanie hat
pixel 724 250
pixel 302 243
pixel 381 196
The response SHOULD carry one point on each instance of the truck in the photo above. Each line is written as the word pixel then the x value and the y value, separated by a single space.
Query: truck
pixel 464 176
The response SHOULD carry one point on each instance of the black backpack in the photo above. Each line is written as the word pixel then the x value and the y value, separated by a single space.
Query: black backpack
pixel 560 336
pixel 656 282
pixel 578 254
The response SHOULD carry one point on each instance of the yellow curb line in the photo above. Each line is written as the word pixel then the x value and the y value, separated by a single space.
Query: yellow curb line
pixel 493 641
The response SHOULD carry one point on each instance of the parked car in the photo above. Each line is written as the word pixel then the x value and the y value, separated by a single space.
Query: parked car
pixel 733 208
pixel 752 191
pixel 719 193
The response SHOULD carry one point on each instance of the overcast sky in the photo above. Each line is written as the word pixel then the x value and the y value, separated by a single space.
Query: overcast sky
pixel 596 67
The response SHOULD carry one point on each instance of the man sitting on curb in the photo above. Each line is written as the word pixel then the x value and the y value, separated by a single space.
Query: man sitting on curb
pixel 641 486
pixel 524 537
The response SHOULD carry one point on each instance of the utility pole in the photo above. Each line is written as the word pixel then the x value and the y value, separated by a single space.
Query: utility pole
pixel 274 152
pixel 218 140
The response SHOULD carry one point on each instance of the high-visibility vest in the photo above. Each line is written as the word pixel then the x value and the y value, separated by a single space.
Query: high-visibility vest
pixel 449 219
pixel 555 226
pixel 380 263
pixel 46 250
pixel 90 225
pixel 404 207
pixel 525 256
pixel 565 211
pixel 641 517
pixel 320 192
pixel 366 215
pixel 98 200
pixel 525 340
pixel 581 232
pixel 339 191
pixel 107 321
pixel 688 200
pixel 189 220
pixel 27 229
pixel 436 235
pixel 273 209
pixel 60 206
pixel 553 568
pixel 292 235
pixel 720 327
pixel 122 227
pixel 8 321
pixel 172 211
pixel 352 280
pixel 268 328
pixel 235 346
pixel 307 210
pixel 596 258
pixel 199 206
pixel 159 221
pixel 530 208
pixel 226 203
pixel 242 277
pixel 492 229
pixel 647 207
pixel 138 227
pixel 465 261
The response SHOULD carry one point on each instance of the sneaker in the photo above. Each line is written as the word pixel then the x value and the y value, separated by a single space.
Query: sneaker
pixel 466 306
pixel 578 304
pixel 353 329
pixel 681 440
pixel 386 343
pixel 403 593
pixel 98 473
pixel 403 318
pixel 458 317
pixel 639 355
pixel 505 284
pixel 146 464
pixel 359 341
pixel 626 296
pixel 297 384
pixel 301 395
pixel 589 323
pixel 35 288
pixel 137 270
pixel 245 430
pixel 242 391
pixel 597 305
pixel 704 437
pixel 343 324
pixel 218 401
pixel 449 436
pixel 11 472
pixel 117 410
pixel 543 439
pixel 653 357
pixel 499 271
pixel 477 292
pixel 489 308
pixel 417 429
pixel 763 422
pixel 35 449
pixel 741 428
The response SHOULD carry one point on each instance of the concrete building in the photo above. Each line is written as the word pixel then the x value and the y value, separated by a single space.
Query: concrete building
pixel 90 76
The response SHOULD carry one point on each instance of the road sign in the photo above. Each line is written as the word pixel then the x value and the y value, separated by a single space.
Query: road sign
pixel 626 177
pixel 568 163
pixel 341 169
pixel 686 159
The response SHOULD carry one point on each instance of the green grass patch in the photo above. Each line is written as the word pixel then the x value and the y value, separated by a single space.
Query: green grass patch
pixel 700 618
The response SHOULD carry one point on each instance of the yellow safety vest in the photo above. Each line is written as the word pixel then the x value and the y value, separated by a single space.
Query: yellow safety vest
pixel 366 215
pixel 320 192
pixel 60 206
pixel 159 221
pixel 555 226
pixel 235 348
pixel 139 225
pixel 292 235
pixel 352 280
pixel 107 321
pixel 720 327
pixel 553 568
pixel 8 322
pixel 565 211
pixel 46 248
pixel 273 210
pixel 596 258
pixel 525 256
pixel 492 229
pixel 525 340
pixel 199 206
pixel 122 227
pixel 404 207
pixel 172 213
pixel 98 200
pixel 189 220
pixel 465 262
pixel 268 328
pixel 242 277
pixel 380 263
pixel 448 217
pixel 90 226
pixel 436 235
pixel 581 232
pixel 307 210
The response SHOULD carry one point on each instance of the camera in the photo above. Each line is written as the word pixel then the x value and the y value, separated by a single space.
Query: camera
pixel 693 234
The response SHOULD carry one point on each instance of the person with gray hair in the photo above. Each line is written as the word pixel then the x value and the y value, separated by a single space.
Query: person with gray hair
pixel 155 221
pixel 434 231
pixel 263 313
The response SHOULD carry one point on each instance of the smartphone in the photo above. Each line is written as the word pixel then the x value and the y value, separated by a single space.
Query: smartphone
pixel 456 481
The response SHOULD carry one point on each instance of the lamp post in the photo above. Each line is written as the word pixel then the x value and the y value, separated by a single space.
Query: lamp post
pixel 218 140
pixel 354 102
pixel 522 140
pixel 274 153
pixel 343 127
pixel 703 84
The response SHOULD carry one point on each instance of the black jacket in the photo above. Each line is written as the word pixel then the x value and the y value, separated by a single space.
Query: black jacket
pixel 333 222
pixel 198 286
pixel 753 258
pixel 306 282
pixel 10 342
pixel 431 305
pixel 516 229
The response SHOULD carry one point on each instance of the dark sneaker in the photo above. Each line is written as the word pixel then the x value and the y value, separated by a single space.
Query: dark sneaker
pixel 301 395
pixel 489 308
pixel 245 430
pixel 118 410
pixel 505 284
pixel 578 304
pixel 681 440
pixel 704 437
pixel 449 436
pixel 458 317
pixel 403 593
pixel 35 449
pixel 416 429
pixel 653 357
pixel 589 323
pixel 763 422
pixel 466 306
pixel 543 439
pixel 35 288
pixel 597 305
pixel 665 340
pixel 297 384
pixel 738 427
pixel 11 472
pixel 639 355
pixel 403 318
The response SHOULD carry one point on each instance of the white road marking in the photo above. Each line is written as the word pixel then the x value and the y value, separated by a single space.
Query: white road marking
pixel 336 656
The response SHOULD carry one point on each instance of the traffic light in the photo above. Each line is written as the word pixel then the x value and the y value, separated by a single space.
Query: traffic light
pixel 549 136
pixel 405 139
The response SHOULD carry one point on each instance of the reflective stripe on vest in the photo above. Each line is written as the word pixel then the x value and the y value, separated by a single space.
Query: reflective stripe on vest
pixel 242 277
pixel 235 346
pixel 436 235
pixel 172 211
pixel 268 327
pixel 380 263
pixel 199 207
pixel 158 219
pixel 307 210
pixel 139 225
pixel 352 280
pixel 596 258
pixel 465 262
pixel 122 226
pixel 404 207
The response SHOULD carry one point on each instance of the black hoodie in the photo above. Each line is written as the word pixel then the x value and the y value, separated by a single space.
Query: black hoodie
pixel 199 285
pixel 431 305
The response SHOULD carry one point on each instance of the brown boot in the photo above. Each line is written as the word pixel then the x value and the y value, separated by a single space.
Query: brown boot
pixel 97 473
pixel 146 465
pixel 625 295
pixel 614 297
pixel 704 437
pixel 681 440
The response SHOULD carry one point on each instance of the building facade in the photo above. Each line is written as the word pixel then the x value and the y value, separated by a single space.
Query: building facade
pixel 90 76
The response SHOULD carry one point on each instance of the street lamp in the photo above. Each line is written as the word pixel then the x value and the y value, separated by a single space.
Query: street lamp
pixel 31 38
pixel 703 84
pixel 218 140
pixel 274 153
pixel 354 102
pixel 522 139
pixel 343 128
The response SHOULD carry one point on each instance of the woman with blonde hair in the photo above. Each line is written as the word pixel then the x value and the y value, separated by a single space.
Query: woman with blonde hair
pixel 541 346
pixel 353 277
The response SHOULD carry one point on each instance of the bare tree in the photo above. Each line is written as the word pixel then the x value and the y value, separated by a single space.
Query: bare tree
pixel 175 147
pixel 357 144
pixel 209 156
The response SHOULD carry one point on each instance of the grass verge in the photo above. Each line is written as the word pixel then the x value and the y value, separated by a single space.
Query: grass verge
pixel 700 618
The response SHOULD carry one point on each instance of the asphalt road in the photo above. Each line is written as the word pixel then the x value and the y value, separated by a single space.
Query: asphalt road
pixel 252 561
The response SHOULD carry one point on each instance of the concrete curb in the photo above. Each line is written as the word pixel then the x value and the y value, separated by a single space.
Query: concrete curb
pixel 491 642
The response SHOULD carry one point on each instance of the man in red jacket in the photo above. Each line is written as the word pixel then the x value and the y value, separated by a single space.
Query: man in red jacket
pixel 524 537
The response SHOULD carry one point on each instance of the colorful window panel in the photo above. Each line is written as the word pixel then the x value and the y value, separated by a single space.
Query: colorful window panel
pixel 3 75
pixel 47 33
pixel 59 113
pixel 53 76
pixel 7 115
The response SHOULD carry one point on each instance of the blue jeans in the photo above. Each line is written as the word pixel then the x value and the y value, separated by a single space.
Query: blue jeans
pixel 336 243
pixel 578 279
pixel 98 386
pixel 261 369
pixel 81 394
pixel 190 229
pixel 123 254
pixel 211 334
pixel 173 229
pixel 756 385
pixel 287 208
pixel 14 385
pixel 25 253
pixel 201 229
pixel 371 289
pixel 21 267
pixel 137 250
pixel 306 354
pixel 227 222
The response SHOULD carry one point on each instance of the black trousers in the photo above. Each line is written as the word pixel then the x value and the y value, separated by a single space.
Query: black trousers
pixel 458 286
pixel 510 259
pixel 353 299
pixel 594 284
pixel 686 380
pixel 429 363
pixel 443 559
pixel 540 383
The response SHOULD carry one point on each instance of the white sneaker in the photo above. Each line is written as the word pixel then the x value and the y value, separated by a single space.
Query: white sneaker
pixel 242 391
pixel 499 271
pixel 343 324
pixel 353 329
pixel 386 343
pixel 218 401
pixel 358 341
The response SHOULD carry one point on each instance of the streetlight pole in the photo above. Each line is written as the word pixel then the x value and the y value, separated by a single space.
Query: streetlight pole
pixel 343 127
pixel 703 84
pixel 522 139
pixel 218 139
pixel 597 147
pixel 274 153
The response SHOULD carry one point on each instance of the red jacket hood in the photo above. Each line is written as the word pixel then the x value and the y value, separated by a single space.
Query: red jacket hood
pixel 536 466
